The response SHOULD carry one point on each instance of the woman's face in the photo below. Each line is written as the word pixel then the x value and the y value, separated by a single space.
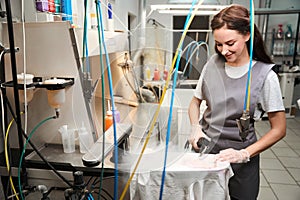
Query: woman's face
pixel 232 45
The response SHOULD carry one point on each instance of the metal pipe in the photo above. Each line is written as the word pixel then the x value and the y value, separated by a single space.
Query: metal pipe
pixel 15 79
pixel 275 11
pixel 296 41
pixel 83 77
pixel 3 90
pixel 139 55
pixel 155 23
pixel 266 21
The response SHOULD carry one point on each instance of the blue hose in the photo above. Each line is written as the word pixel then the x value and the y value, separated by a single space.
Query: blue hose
pixel 90 196
pixel 250 56
pixel 113 106
pixel 85 52
pixel 171 108
pixel 103 99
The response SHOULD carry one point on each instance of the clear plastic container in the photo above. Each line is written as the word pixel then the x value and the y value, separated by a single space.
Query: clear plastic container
pixel 68 139
pixel 85 140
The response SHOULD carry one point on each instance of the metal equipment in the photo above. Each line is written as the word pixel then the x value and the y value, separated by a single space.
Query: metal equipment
pixel 243 124
pixel 203 145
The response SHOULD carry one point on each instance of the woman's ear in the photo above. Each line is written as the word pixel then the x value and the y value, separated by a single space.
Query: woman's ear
pixel 247 37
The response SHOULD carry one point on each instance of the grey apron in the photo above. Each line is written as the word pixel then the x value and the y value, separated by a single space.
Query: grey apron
pixel 225 103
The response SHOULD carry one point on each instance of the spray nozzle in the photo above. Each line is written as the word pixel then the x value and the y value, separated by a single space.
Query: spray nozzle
pixel 243 124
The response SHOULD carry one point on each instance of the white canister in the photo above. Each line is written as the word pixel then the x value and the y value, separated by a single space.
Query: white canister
pixel 25 79
pixel 56 97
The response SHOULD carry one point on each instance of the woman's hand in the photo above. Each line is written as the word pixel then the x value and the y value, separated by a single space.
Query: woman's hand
pixel 233 156
pixel 196 134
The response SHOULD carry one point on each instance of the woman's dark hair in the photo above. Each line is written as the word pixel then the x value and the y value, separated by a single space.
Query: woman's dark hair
pixel 237 18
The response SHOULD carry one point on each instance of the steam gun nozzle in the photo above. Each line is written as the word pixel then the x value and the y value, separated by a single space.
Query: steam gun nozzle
pixel 243 124
pixel 203 145
pixel 57 112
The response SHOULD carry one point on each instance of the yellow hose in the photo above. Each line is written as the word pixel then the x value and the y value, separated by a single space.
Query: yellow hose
pixel 161 99
pixel 7 159
pixel 252 36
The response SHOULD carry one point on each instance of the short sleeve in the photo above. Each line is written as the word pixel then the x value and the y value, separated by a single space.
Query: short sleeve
pixel 198 91
pixel 271 97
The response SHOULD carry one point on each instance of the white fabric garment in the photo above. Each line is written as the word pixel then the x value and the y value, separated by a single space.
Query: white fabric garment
pixel 189 177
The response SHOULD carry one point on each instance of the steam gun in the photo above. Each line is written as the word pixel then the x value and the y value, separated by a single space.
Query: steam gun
pixel 202 143
pixel 243 124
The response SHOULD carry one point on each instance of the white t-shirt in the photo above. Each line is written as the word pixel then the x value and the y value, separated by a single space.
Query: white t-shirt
pixel 270 98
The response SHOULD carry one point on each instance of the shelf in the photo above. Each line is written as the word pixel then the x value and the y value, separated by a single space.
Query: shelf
pixel 285 55
pixel 115 41
pixel 284 39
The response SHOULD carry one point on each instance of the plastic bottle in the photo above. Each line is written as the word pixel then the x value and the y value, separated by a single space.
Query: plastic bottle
pixel 279 33
pixel 66 9
pixel 117 115
pixel 93 21
pixel 289 32
pixel 275 49
pixel 156 76
pixel 57 6
pixel 165 74
pixel 85 139
pixel 110 21
pixel 51 6
pixel 292 47
pixel 108 119
pixel 41 5
pixel 281 48
pixel 147 74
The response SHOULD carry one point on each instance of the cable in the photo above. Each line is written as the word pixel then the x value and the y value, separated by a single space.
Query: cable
pixel 195 50
pixel 95 182
pixel 107 193
pixel 190 61
pixel 113 104
pixel 2 110
pixel 187 23
pixel 24 68
pixel 36 150
pixel 85 61
pixel 159 105
pixel 1 54
pixel 248 86
pixel 101 195
pixel 24 149
pixel 186 49
pixel 5 146
pixel 14 73
pixel 103 99
pixel 137 26
pixel 7 158
pixel 90 196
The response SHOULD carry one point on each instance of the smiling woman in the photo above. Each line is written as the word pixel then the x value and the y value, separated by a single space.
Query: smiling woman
pixel 222 85
pixel 236 19
pixel 232 46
